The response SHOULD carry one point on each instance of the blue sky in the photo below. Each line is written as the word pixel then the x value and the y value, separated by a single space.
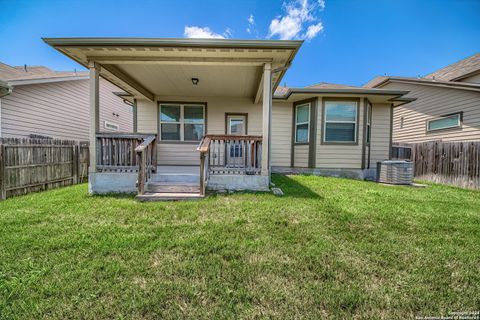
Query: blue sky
pixel 348 41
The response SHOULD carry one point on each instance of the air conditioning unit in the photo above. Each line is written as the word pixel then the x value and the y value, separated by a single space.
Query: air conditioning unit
pixel 395 172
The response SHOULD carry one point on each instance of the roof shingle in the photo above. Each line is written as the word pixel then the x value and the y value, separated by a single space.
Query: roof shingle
pixel 457 70
pixel 10 73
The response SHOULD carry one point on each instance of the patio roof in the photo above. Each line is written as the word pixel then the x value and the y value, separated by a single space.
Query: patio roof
pixel 152 67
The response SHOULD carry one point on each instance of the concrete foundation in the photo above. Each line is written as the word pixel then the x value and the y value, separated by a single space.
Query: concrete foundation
pixel 106 182
pixel 110 182
pixel 359 174
pixel 238 182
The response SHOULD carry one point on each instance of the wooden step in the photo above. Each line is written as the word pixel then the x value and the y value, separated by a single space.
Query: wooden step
pixel 166 196
pixel 162 187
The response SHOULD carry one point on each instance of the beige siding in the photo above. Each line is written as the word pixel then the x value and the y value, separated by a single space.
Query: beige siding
pixel 300 158
pixel 168 153
pixel 217 107
pixel 282 134
pixel 109 104
pixel 185 153
pixel 60 110
pixel 178 154
pixel 472 79
pixel 147 116
pixel 433 102
pixel 327 156
pixel 339 156
pixel 380 136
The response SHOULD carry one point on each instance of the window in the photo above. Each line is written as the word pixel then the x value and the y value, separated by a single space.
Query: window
pixel 179 122
pixel 445 122
pixel 110 126
pixel 302 123
pixel 369 122
pixel 194 123
pixel 340 122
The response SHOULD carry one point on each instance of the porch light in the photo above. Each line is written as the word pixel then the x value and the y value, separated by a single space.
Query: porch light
pixel 195 81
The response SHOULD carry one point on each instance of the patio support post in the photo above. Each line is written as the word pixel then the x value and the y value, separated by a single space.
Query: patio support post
pixel 267 118
pixel 94 114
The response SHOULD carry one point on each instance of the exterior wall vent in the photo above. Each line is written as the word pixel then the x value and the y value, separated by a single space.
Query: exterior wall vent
pixel 110 126
pixel 395 172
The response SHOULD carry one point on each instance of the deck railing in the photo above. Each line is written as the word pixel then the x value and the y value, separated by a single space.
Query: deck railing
pixel 147 163
pixel 115 152
pixel 229 154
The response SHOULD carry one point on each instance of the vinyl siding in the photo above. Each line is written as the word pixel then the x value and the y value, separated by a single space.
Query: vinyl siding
pixel 472 79
pixel 60 110
pixel 433 102
pixel 300 158
pixel 327 156
pixel 178 154
pixel 147 116
pixel 282 134
pixel 380 136
pixel 339 156
pixel 186 153
pixel 217 107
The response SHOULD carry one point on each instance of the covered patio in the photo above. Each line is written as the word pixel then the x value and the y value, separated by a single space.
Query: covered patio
pixel 200 105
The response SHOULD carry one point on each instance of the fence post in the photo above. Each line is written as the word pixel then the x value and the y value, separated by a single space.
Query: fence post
pixel 79 162
pixel 3 192
pixel 75 163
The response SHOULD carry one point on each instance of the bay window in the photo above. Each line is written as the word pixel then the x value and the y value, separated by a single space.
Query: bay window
pixel 182 122
pixel 340 122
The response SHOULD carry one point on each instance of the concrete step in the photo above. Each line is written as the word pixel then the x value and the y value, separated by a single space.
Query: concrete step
pixel 175 177
pixel 169 196
pixel 172 187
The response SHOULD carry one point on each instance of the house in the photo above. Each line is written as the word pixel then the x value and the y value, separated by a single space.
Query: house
pixel 447 105
pixel 205 117
pixel 46 103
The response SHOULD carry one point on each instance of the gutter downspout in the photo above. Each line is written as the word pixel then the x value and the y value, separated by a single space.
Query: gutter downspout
pixel 9 90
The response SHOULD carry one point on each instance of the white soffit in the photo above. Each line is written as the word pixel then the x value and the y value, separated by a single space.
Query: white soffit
pixel 233 64
pixel 214 80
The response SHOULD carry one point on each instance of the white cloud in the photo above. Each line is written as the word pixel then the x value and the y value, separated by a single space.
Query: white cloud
pixel 203 32
pixel 313 30
pixel 251 27
pixel 228 33
pixel 251 19
pixel 298 14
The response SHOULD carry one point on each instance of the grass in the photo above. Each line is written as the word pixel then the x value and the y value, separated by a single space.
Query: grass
pixel 329 248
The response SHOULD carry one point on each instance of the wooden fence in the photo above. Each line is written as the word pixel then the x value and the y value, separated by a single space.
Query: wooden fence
pixel 29 165
pixel 452 163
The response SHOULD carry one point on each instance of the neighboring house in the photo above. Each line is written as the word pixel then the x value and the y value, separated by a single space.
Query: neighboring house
pixel 210 102
pixel 447 105
pixel 46 103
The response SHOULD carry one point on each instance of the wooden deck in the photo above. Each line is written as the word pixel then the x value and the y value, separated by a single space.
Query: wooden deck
pixel 229 155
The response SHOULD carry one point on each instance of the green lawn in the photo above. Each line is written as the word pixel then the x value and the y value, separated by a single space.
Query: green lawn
pixel 329 248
